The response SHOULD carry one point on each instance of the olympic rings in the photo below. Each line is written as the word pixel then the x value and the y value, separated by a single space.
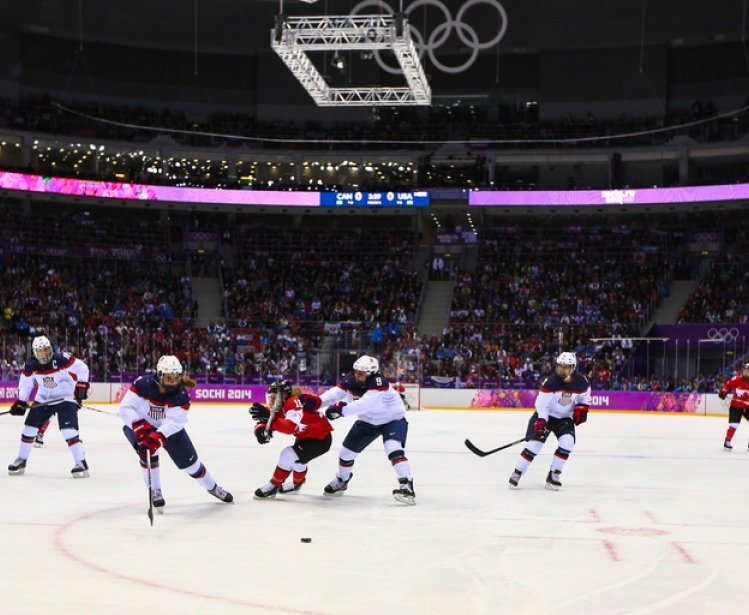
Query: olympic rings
pixel 723 335
pixel 439 35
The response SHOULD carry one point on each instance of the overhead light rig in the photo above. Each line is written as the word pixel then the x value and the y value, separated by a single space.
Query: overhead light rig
pixel 292 38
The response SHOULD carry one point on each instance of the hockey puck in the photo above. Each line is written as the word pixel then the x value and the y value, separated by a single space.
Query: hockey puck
pixel 306 539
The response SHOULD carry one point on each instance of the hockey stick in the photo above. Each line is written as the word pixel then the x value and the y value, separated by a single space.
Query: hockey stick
pixel 85 407
pixel 477 451
pixel 150 496
pixel 474 449
pixel 277 405
pixel 35 405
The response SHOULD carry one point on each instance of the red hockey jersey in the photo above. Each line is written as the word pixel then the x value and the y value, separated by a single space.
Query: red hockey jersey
pixel 300 418
pixel 740 389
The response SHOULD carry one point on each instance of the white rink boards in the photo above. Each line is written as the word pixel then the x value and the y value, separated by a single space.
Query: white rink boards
pixel 651 519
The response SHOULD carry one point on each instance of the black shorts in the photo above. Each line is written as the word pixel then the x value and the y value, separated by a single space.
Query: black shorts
pixel 308 449
pixel 558 427
pixel 178 446
pixel 66 411
pixel 735 414
pixel 362 434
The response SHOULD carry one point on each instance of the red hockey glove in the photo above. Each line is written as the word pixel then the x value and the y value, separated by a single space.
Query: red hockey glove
pixel 152 442
pixel 539 427
pixel 81 391
pixel 141 429
pixel 723 394
pixel 580 414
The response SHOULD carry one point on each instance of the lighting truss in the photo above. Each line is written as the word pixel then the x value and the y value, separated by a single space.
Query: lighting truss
pixel 293 37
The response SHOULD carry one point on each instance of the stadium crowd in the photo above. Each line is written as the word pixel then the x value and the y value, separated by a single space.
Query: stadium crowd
pixel 296 294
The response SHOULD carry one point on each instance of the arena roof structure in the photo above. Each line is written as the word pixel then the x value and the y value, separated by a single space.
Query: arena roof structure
pixel 293 38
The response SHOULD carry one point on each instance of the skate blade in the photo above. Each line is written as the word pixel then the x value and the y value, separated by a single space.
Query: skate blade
pixel 551 487
pixel 38 444
pixel 17 472
pixel 83 474
pixel 404 498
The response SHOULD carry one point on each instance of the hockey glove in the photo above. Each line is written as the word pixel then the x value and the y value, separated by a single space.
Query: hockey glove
pixel 723 394
pixel 580 414
pixel 259 412
pixel 335 411
pixel 142 429
pixel 262 437
pixel 152 442
pixel 19 408
pixel 539 428
pixel 81 391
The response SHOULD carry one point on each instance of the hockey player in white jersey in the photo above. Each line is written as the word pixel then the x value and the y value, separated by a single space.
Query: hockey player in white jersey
pixel 62 384
pixel 380 412
pixel 562 403
pixel 154 412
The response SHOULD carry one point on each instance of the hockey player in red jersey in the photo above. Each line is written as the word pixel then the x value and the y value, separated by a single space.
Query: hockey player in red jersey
pixel 561 404
pixel 739 386
pixel 297 415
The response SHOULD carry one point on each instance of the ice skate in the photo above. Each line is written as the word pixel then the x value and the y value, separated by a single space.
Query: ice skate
pixel 221 494
pixel 291 488
pixel 266 492
pixel 337 486
pixel 39 440
pixel 157 499
pixel 405 493
pixel 17 467
pixel 515 479
pixel 80 470
pixel 727 446
pixel 552 480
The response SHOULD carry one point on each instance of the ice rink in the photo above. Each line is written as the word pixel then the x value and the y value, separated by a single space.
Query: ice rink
pixel 652 518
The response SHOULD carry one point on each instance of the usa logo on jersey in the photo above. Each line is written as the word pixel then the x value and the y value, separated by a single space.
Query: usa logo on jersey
pixel 157 412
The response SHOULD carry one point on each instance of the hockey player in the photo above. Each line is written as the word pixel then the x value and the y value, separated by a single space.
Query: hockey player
pixel 562 403
pixel 62 384
pixel 380 412
pixel 154 412
pixel 739 386
pixel 297 414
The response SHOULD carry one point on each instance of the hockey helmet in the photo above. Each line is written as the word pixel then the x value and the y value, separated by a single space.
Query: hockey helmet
pixel 168 371
pixel 42 349
pixel 278 392
pixel 567 358
pixel 367 365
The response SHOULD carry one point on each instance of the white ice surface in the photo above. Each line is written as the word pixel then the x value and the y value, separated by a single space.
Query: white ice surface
pixel 652 518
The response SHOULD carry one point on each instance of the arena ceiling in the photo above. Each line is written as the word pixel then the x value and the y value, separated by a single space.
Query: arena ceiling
pixel 243 26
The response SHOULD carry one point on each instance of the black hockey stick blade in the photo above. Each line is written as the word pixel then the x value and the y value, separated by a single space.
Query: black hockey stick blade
pixel 477 451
